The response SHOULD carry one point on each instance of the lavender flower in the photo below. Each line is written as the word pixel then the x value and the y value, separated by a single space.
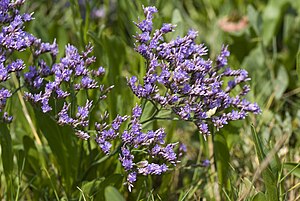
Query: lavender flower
pixel 12 38
pixel 65 80
pixel 192 86
pixel 157 157
pixel 106 134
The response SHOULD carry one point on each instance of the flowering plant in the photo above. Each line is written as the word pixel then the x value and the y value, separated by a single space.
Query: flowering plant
pixel 178 78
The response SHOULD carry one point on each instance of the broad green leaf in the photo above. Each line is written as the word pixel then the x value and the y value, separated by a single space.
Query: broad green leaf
pixel 112 194
pixel 295 5
pixel 32 156
pixel 115 61
pixel 111 180
pixel 222 158
pixel 91 187
pixel 288 29
pixel 281 82
pixel 6 151
pixel 63 144
pixel 272 17
pixel 293 167
pixel 180 25
pixel 253 18
pixel 260 196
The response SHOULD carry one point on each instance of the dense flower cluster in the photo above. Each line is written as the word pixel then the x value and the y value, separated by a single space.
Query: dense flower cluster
pixel 70 76
pixel 107 133
pixel 58 81
pixel 12 38
pixel 154 156
pixel 179 77
pixel 141 153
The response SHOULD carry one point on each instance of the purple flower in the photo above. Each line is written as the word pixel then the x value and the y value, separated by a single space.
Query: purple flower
pixel 4 95
pixel 3 73
pixel 136 112
pixel 83 112
pixel 99 72
pixel 63 116
pixel 126 158
pixel 15 66
pixel 104 145
pixel 205 163
pixel 222 58
pixel 131 178
pixel 168 153
pixel 135 139
pixel 194 87
pixel 6 118
pixel 118 121
pixel 81 134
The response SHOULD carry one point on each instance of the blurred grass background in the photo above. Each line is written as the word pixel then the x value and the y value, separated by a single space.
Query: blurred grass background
pixel 256 159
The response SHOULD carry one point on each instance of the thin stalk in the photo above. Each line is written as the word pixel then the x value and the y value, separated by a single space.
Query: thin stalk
pixel 25 111
pixel 213 168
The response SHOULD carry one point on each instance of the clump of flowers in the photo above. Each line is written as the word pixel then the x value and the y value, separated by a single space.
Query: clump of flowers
pixel 154 155
pixel 64 81
pixel 12 38
pixel 59 82
pixel 180 77
pixel 141 153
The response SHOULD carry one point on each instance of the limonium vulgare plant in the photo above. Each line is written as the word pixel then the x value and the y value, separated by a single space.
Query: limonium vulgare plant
pixel 178 78
pixel 54 87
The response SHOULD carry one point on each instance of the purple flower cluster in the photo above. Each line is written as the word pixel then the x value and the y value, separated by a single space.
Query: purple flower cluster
pixel 180 77
pixel 141 153
pixel 106 133
pixel 12 38
pixel 63 81
pixel 153 155
pixel 60 81
pixel 54 88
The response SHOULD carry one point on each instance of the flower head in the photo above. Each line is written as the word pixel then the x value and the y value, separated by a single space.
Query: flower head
pixel 180 77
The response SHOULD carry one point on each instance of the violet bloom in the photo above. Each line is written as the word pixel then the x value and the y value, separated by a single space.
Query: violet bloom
pixel 107 133
pixel 13 38
pixel 158 157
pixel 65 80
pixel 193 87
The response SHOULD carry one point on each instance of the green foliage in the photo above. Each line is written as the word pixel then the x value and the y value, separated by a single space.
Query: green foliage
pixel 259 162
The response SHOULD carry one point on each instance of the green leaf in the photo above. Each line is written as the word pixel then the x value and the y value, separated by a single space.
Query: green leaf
pixel 92 187
pixel 32 155
pixel 267 175
pixel 281 82
pixel 294 168
pixel 113 179
pixel 178 20
pixel 259 197
pixel 63 144
pixel 272 17
pixel 115 61
pixel 6 152
pixel 112 194
pixel 253 18
pixel 222 158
